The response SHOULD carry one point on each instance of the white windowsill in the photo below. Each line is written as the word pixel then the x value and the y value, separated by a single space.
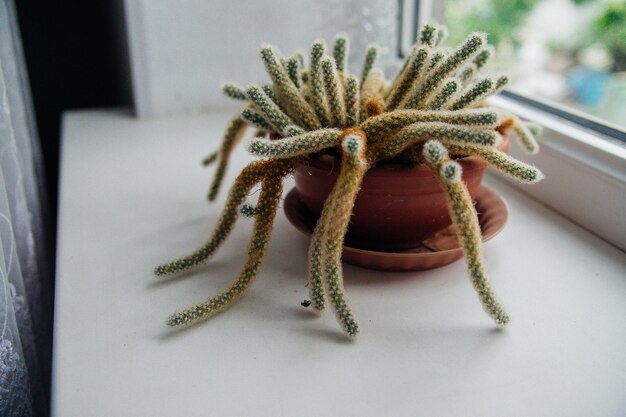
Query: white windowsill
pixel 132 195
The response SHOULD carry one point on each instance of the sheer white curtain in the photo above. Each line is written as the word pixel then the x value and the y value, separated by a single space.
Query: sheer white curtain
pixel 25 275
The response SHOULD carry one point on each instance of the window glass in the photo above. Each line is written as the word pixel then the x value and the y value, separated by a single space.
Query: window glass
pixel 569 53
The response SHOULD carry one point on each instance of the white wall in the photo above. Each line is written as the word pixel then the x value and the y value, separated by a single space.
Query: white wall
pixel 181 51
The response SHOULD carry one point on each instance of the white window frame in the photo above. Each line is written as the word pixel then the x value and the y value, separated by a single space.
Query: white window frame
pixel 585 170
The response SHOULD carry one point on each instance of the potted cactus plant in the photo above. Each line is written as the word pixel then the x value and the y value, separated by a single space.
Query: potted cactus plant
pixel 432 115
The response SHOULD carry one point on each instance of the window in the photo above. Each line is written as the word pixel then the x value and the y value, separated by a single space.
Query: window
pixel 569 55
pixel 569 78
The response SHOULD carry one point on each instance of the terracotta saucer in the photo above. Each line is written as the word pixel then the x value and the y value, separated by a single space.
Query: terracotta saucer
pixel 438 250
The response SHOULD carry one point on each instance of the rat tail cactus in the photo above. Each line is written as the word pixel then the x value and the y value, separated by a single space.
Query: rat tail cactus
pixel 465 220
pixel 433 112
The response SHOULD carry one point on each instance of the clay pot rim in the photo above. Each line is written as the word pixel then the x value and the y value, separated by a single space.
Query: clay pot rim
pixel 326 163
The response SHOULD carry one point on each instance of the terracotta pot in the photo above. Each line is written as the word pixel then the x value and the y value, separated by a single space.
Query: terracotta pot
pixel 397 207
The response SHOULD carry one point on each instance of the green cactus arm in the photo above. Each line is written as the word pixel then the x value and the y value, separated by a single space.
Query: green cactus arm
pixel 535 129
pixel 438 75
pixel 269 90
pixel 268 108
pixel 445 94
pixel 318 50
pixel 451 172
pixel 502 162
pixel 271 94
pixel 294 102
pixel 405 65
pixel 465 220
pixel 466 74
pixel 374 84
pixel 247 179
pixel 371 91
pixel 318 92
pixel 255 118
pixel 338 207
pixel 352 100
pixel 299 54
pixel 293 130
pixel 434 153
pixel 428 35
pixel 316 264
pixel 233 135
pixel 370 59
pixel 334 92
pixel 269 198
pixel 407 78
pixel 376 126
pixel 500 83
pixel 294 70
pixel 317 261
pixel 419 132
pixel 525 138
pixel 234 91
pixel 474 94
pixel 305 143
pixel 394 83
pixel 435 58
pixel 483 56
pixel 210 158
pixel 340 52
